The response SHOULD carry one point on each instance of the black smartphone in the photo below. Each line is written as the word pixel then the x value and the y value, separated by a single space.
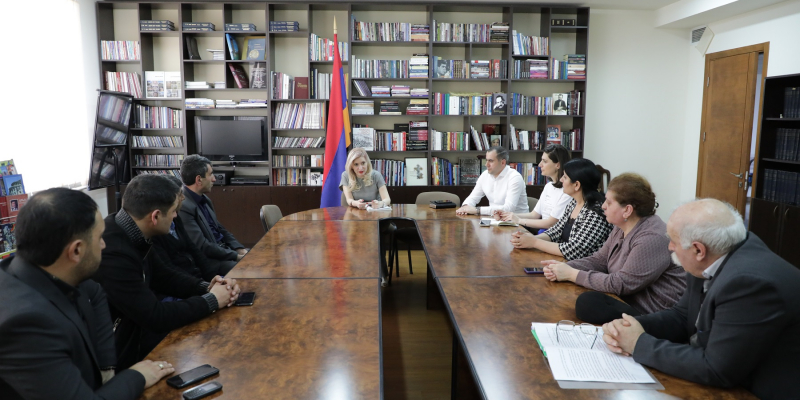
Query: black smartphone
pixel 536 270
pixel 486 222
pixel 245 299
pixel 202 390
pixel 191 376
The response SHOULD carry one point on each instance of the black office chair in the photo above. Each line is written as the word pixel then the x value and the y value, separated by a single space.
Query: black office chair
pixel 410 236
pixel 270 215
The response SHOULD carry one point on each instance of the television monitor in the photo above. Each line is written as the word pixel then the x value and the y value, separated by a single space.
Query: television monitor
pixel 231 138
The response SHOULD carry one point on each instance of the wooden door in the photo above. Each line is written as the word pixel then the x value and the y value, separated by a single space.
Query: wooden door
pixel 727 124
pixel 790 235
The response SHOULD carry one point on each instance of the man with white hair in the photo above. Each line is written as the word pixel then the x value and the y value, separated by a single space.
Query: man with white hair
pixel 737 323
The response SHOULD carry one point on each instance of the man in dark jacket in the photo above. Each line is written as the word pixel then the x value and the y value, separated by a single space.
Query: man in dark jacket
pixel 198 215
pixel 56 335
pixel 737 323
pixel 131 274
pixel 178 251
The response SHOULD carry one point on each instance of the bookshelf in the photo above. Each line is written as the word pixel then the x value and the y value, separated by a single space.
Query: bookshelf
pixel 288 52
pixel 775 204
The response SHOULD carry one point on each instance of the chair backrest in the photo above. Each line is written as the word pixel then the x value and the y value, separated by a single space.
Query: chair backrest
pixel 425 198
pixel 343 201
pixel 605 178
pixel 270 215
pixel 532 203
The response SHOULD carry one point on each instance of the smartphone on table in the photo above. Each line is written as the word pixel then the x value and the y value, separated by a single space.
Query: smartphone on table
pixel 245 299
pixel 191 376
pixel 534 270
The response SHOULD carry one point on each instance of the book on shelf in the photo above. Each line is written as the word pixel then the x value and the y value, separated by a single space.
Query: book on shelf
pixel 298 142
pixel 282 86
pixel 240 27
pixel 530 69
pixel 156 25
pixel 499 103
pixel 7 167
pixel 13 185
pixel 284 26
pixel 781 186
pixel 127 82
pixel 417 107
pixel 252 103
pixel 362 88
pixel 197 85
pixel 239 76
pixel 787 144
pixel 449 141
pixel 362 107
pixel 443 172
pixel 225 103
pixel 364 138
pixel 450 69
pixel 199 104
pixel 301 87
pixel 216 54
pixel 559 103
pixel 233 47
pixel 191 48
pixel 553 134
pixel 120 50
pixel 255 47
pixel 475 33
pixel 151 117
pixel 314 161
pixel 296 177
pixel 390 107
pixel 258 75
pixel 417 138
pixel 158 160
pixel 470 168
pixel 162 84
pixel 157 141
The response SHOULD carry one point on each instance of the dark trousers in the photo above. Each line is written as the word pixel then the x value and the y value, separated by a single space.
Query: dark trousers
pixel 598 308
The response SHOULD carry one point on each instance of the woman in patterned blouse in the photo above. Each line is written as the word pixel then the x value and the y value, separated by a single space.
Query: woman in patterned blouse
pixel 583 228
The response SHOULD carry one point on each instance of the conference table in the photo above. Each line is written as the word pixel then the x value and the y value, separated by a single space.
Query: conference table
pixel 314 331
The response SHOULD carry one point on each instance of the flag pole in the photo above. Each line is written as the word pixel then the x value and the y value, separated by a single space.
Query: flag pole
pixel 334 25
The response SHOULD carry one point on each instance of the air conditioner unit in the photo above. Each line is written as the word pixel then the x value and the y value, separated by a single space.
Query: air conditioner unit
pixel 701 38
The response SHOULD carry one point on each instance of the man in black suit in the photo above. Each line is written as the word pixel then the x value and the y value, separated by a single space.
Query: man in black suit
pixel 131 274
pixel 177 250
pixel 737 323
pixel 560 104
pixel 197 212
pixel 56 337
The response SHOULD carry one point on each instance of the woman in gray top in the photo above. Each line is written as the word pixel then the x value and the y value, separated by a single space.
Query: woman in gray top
pixel 634 263
pixel 362 185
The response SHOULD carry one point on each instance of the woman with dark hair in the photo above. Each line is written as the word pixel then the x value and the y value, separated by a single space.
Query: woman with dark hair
pixel 633 264
pixel 552 201
pixel 583 228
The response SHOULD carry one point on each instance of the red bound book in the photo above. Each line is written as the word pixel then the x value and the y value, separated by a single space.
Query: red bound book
pixel 301 87
pixel 239 76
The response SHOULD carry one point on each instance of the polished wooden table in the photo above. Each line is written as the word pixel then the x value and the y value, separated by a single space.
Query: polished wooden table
pixel 314 331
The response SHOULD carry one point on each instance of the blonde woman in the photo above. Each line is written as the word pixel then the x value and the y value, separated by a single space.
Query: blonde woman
pixel 362 185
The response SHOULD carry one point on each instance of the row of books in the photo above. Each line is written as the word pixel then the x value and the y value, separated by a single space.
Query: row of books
pixel 158 160
pixel 573 67
pixel 148 117
pixel 530 69
pixel 393 171
pixel 450 69
pixel 174 172
pixel 296 177
pixel 476 33
pixel 389 31
pixel 157 141
pixel 531 173
pixel 198 26
pixel 320 84
pixel 390 68
pixel 156 25
pixel 128 82
pixel 530 45
pixel 299 116
pixel 11 185
pixel 538 140
pixel 321 49
pixel 243 103
pixel 405 137
pixel 202 85
pixel 284 86
pixel 450 141
pixel 284 26
pixel 199 103
pixel 464 104
pixel 787 144
pixel 108 135
pixel 389 107
pixel 791 102
pixel 120 50
pixel 162 84
pixel 445 173
pixel 570 103
pixel 114 109
pixel 315 160
pixel 282 142
pixel 782 186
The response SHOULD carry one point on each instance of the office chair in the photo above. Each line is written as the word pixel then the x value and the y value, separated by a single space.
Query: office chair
pixel 270 215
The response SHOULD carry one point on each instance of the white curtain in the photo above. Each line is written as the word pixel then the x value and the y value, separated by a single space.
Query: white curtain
pixel 45 101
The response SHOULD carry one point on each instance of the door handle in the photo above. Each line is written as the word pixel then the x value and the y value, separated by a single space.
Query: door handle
pixel 737 175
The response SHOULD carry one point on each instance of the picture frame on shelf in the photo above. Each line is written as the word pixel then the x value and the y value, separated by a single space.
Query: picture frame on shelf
pixel 416 171
pixel 560 103
pixel 553 134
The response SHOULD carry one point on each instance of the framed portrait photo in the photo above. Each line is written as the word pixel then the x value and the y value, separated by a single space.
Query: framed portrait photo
pixel 417 171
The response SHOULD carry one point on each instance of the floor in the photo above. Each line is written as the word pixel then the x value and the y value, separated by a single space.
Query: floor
pixel 417 343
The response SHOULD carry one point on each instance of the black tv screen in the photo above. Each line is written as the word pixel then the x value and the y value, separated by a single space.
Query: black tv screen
pixel 232 138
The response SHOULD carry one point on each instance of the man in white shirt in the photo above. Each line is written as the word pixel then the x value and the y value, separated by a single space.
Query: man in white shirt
pixel 503 186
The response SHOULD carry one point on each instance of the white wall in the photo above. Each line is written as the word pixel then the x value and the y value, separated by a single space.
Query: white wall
pixel 635 99
pixel 779 25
